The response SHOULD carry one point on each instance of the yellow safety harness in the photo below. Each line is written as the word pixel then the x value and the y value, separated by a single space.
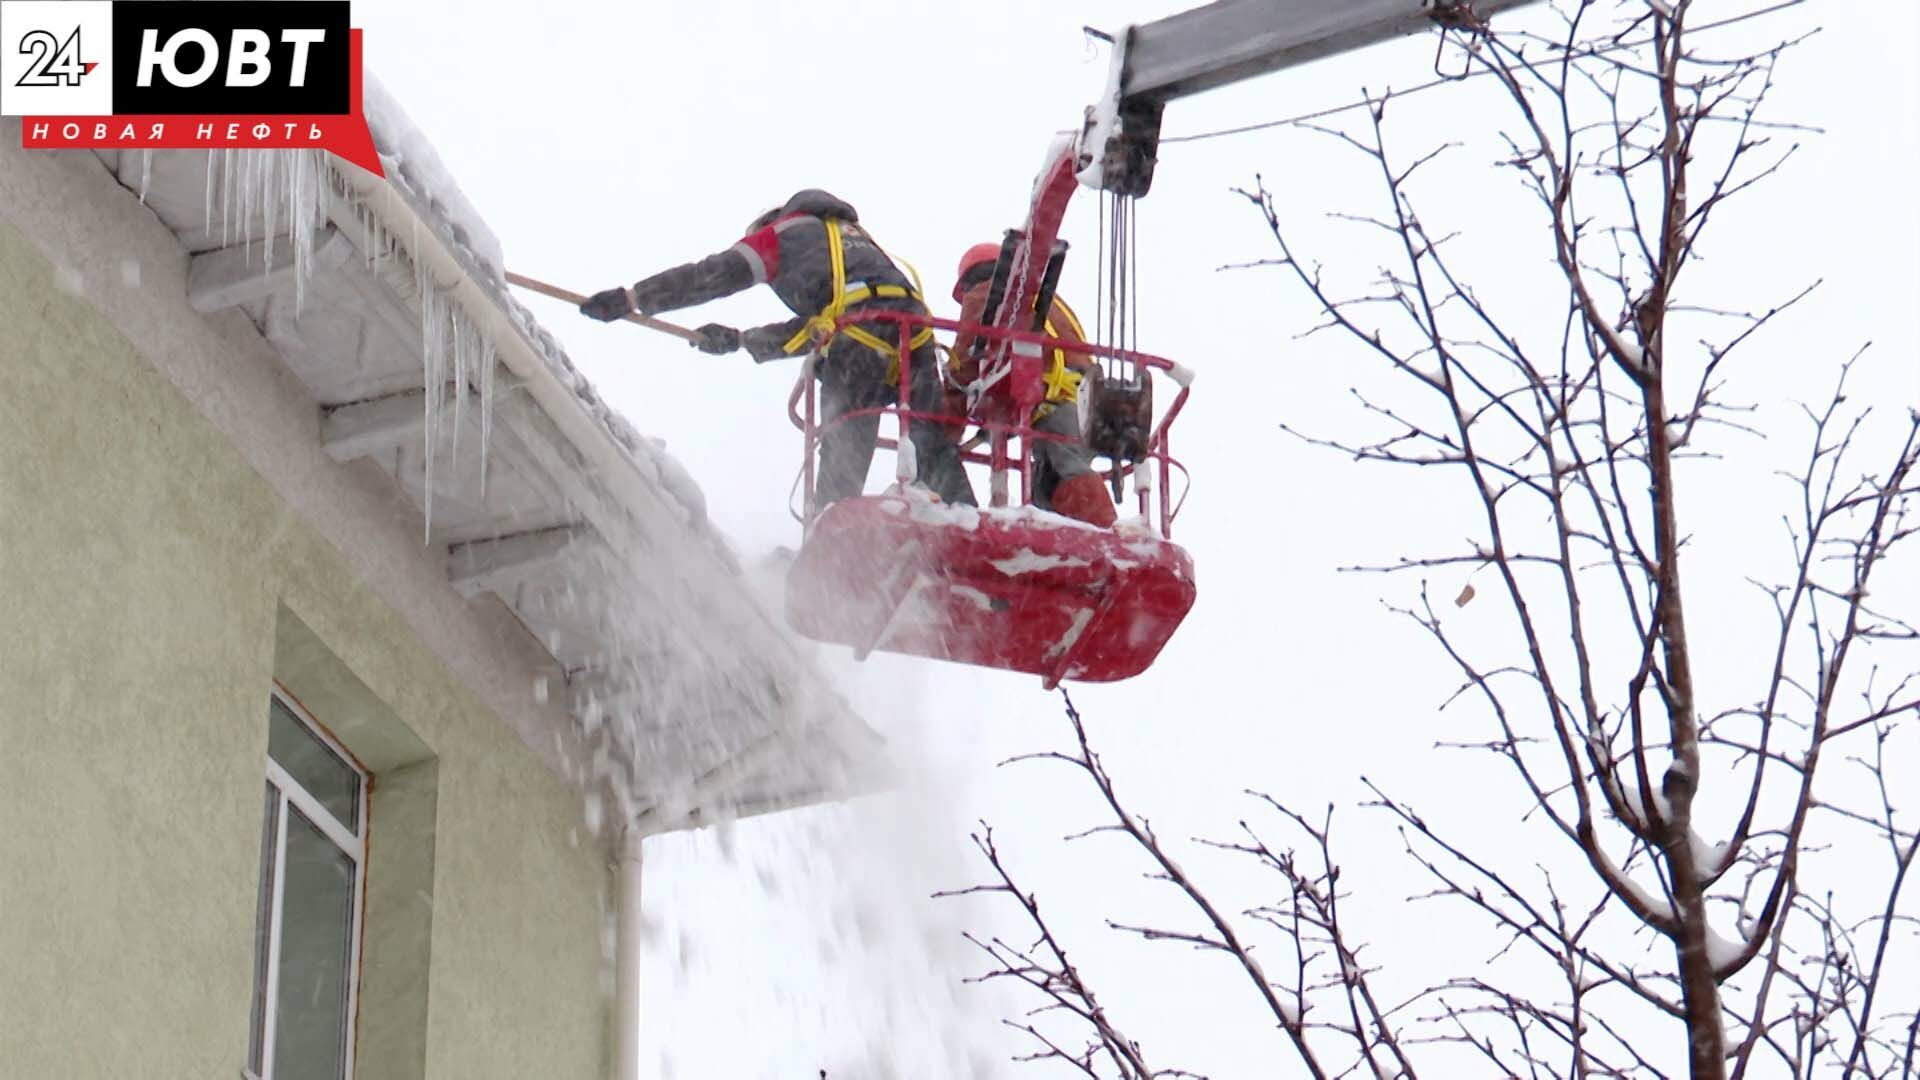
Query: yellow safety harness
pixel 821 329
pixel 1063 383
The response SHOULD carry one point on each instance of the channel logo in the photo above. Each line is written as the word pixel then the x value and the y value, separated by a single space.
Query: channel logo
pixel 173 74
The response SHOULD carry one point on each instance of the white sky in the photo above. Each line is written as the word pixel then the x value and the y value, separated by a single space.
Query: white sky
pixel 604 141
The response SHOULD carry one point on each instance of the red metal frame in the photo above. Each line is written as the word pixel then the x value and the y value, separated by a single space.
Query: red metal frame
pixel 1011 369
pixel 1002 428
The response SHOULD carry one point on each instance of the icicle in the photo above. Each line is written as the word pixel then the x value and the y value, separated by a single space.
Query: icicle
pixel 299 195
pixel 249 168
pixel 243 192
pixel 212 155
pixel 434 376
pixel 306 198
pixel 270 164
pixel 373 247
pixel 313 214
pixel 284 191
pixel 486 409
pixel 462 348
pixel 146 174
pixel 226 197
pixel 310 194
pixel 243 217
pixel 232 176
pixel 236 194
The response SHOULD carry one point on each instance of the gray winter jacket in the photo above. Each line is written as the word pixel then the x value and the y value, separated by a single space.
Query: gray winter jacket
pixel 790 254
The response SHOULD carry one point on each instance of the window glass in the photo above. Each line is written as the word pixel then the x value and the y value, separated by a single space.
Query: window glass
pixel 316 953
pixel 314 766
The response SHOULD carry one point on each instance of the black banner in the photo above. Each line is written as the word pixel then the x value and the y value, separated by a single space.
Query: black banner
pixel 272 57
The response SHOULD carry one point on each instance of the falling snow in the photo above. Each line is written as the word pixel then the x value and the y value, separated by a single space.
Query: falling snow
pixel 622 757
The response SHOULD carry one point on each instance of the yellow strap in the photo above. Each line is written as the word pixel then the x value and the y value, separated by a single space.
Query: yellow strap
pixel 819 330
pixel 918 289
pixel 1073 321
pixel 868 292
pixel 873 341
pixel 889 349
pixel 1063 383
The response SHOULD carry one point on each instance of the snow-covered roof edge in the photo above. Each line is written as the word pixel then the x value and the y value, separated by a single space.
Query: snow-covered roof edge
pixel 849 761
pixel 415 171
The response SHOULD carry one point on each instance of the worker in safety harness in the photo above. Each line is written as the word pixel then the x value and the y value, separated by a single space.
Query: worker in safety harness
pixel 1063 476
pixel 818 260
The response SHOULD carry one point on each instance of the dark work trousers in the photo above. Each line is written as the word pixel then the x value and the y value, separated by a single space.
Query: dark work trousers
pixel 1057 461
pixel 853 377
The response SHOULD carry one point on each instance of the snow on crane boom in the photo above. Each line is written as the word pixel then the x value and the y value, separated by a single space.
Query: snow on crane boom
pixel 1226 42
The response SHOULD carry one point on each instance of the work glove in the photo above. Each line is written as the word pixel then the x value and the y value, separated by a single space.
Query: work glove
pixel 608 305
pixel 765 343
pixel 716 339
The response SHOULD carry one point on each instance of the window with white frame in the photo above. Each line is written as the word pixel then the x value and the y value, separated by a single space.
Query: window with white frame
pixel 312 883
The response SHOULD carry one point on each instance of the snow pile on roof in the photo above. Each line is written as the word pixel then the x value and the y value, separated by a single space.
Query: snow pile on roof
pixel 412 164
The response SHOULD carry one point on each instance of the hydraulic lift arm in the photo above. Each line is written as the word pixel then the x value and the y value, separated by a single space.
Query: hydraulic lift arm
pixel 1225 42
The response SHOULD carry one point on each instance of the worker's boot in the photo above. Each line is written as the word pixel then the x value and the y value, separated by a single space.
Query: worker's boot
pixel 1084 497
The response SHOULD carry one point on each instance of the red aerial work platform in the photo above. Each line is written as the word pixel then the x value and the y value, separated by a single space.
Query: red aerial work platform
pixel 1002 586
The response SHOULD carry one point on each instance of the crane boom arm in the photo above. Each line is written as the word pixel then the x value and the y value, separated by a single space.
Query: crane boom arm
pixel 1231 40
pixel 1226 42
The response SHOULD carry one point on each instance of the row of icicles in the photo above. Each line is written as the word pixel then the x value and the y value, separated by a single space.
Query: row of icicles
pixel 288 196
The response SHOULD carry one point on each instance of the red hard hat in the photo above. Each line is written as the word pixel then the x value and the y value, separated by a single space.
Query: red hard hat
pixel 976 255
